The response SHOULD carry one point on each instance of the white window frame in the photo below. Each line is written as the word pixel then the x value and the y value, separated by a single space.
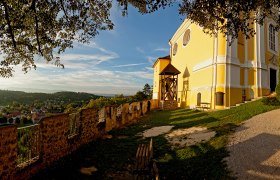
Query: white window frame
pixel 274 51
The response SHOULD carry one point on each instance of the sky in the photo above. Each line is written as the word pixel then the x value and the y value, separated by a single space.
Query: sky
pixel 114 62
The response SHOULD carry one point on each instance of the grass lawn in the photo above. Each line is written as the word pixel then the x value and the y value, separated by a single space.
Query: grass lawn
pixel 200 161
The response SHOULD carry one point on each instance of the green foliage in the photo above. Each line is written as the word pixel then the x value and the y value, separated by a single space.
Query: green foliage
pixel 277 88
pixel 32 29
pixel 272 101
pixel 139 96
pixel 99 103
pixel 116 100
pixel 46 29
pixel 3 120
pixel 148 91
pixel 15 98
pixel 42 28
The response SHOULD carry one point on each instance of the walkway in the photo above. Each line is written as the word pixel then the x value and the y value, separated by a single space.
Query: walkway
pixel 255 148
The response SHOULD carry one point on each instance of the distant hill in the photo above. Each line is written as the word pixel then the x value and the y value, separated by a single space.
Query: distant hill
pixel 7 97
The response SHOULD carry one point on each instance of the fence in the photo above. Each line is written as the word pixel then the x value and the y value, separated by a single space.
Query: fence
pixel 28 145
pixel 74 120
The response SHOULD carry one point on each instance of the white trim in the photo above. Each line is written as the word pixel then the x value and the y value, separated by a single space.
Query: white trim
pixel 262 47
pixel 204 88
pixel 253 64
pixel 201 88
pixel 258 56
pixel 220 60
pixel 186 24
pixel 203 65
pixel 155 95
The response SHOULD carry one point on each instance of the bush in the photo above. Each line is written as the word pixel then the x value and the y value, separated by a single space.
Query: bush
pixel 277 90
pixel 3 120
pixel 271 101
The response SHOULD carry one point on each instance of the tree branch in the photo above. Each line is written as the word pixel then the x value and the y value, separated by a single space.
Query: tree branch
pixel 9 23
pixel 33 7
pixel 63 9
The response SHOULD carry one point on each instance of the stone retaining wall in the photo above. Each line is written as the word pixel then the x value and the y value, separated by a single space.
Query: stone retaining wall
pixel 8 151
pixel 56 140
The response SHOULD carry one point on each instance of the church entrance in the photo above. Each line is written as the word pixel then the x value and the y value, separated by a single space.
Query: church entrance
pixel 273 76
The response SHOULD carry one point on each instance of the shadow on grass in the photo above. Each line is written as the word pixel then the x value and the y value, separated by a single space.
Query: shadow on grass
pixel 201 161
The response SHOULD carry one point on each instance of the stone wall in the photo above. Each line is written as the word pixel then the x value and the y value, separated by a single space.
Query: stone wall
pixel 54 138
pixel 8 151
pixel 57 141
pixel 168 104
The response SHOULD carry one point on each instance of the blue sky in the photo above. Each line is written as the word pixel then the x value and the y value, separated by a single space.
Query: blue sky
pixel 115 62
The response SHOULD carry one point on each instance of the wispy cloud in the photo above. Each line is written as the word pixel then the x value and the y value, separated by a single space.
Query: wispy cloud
pixel 98 80
pixel 128 65
pixel 162 49
pixel 97 58
pixel 93 45
pixel 149 68
pixel 140 50
pixel 151 59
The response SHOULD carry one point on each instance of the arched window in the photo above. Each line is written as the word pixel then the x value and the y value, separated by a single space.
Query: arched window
pixel 272 40
pixel 186 37
pixel 175 49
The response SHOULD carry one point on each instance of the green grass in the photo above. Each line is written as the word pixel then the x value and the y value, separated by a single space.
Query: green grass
pixel 201 161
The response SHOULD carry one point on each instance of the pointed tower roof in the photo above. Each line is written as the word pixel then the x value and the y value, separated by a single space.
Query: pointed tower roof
pixel 169 70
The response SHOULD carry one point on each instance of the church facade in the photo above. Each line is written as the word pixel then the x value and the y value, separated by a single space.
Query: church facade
pixel 208 70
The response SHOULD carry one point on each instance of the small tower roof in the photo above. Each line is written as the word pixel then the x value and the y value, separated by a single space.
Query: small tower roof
pixel 169 70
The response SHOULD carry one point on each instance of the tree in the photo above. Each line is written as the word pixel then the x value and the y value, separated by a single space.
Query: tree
pixel 147 90
pixel 139 96
pixel 31 29
pixel 230 16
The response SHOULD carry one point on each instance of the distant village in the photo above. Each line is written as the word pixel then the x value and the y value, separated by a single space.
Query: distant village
pixel 22 114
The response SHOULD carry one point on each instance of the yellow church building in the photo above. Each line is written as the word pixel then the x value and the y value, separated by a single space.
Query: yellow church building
pixel 208 71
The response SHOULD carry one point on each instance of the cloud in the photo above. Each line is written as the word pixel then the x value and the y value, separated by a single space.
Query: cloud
pixel 162 49
pixel 98 80
pixel 93 45
pixel 128 65
pixel 140 50
pixel 151 59
pixel 149 68
pixel 81 75
pixel 96 58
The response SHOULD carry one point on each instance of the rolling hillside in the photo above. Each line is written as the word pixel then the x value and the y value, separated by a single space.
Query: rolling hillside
pixel 7 97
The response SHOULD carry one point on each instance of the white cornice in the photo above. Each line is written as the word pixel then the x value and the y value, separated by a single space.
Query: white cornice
pixel 220 60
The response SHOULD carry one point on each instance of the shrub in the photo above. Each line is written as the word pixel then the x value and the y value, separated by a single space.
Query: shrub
pixel 3 120
pixel 271 101
pixel 277 90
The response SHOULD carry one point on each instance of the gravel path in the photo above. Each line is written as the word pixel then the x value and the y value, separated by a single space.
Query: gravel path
pixel 255 148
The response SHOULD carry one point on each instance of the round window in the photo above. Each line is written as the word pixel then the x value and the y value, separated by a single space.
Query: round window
pixel 175 49
pixel 186 37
